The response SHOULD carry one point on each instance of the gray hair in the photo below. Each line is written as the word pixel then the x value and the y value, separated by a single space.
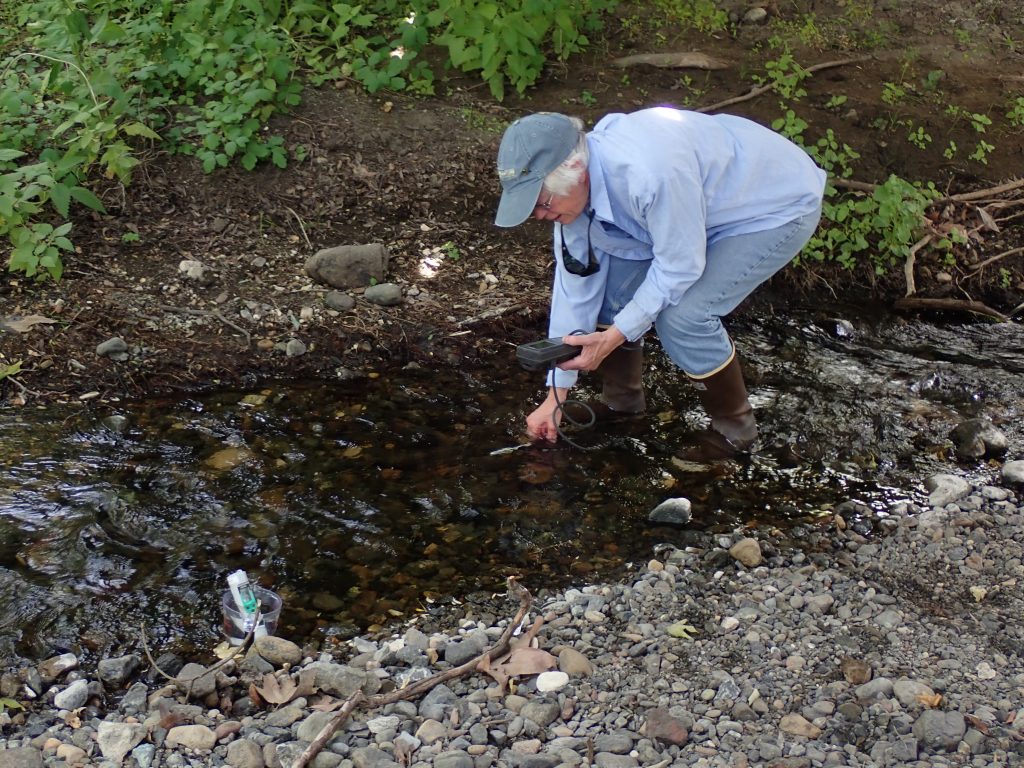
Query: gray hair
pixel 568 174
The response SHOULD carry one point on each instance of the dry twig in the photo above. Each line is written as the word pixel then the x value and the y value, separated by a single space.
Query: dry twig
pixel 991 259
pixel 189 683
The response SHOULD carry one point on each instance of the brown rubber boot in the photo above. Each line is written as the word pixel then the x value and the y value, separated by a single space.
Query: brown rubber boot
pixel 733 428
pixel 622 389
pixel 622 386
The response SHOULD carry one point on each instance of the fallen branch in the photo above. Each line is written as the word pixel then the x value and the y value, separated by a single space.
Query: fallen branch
pixel 959 305
pixel 755 92
pixel 421 687
pixel 982 193
pixel 856 186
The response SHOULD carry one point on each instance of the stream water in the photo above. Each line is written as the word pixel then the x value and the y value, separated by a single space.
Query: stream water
pixel 368 501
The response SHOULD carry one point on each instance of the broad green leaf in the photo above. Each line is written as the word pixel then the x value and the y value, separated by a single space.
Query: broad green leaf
pixel 138 129
pixel 87 198
pixel 60 197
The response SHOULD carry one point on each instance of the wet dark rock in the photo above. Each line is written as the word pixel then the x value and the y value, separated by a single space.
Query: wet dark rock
pixel 54 667
pixel 196 681
pixel 675 511
pixel 977 439
pixel 169 663
pixel 1013 472
pixel 857 515
pixel 114 672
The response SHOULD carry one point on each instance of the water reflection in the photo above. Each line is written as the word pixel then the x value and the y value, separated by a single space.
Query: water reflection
pixel 365 502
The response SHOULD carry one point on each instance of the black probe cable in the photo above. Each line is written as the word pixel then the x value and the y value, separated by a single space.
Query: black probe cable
pixel 560 408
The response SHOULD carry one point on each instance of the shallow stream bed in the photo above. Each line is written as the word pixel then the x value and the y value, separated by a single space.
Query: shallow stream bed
pixel 369 500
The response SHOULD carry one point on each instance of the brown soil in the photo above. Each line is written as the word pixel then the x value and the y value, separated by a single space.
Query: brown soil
pixel 417 175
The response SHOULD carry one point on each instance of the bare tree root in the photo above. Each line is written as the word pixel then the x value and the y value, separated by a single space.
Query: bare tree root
pixel 423 686
pixel 960 305
pixel 908 267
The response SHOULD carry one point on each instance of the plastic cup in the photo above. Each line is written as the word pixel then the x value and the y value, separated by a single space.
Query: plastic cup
pixel 235 624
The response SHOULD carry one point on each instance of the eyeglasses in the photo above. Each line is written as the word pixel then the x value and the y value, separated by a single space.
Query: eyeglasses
pixel 545 206
pixel 573 265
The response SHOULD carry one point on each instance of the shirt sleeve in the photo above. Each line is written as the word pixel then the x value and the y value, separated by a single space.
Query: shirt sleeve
pixel 675 214
pixel 575 301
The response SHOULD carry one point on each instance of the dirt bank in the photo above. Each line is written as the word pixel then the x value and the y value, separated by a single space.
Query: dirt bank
pixel 417 175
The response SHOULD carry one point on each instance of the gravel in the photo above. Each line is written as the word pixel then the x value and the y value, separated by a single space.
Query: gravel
pixel 899 647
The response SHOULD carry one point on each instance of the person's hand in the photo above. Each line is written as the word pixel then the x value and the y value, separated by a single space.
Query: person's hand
pixel 543 423
pixel 596 347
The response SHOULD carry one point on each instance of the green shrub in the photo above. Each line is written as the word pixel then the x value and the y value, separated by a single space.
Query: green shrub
pixel 86 83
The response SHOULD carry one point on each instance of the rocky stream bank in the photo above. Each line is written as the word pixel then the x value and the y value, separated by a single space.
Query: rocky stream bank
pixel 885 640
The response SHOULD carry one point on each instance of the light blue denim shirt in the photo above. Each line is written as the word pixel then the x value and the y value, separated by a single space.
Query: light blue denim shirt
pixel 663 184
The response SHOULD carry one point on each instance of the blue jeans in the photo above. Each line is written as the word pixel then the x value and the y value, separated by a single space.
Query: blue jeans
pixel 691 332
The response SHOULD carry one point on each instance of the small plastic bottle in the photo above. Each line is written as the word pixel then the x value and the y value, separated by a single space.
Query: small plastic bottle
pixel 246 600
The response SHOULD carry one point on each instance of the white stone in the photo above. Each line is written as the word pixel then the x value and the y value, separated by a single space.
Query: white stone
pixel 551 681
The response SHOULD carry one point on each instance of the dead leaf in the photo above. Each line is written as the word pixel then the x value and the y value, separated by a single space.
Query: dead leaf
pixel 930 700
pixel 327 705
pixel 254 694
pixel 403 751
pixel 275 691
pixel 986 220
pixel 977 724
pixel 520 662
pixel 24 324
pixel 282 689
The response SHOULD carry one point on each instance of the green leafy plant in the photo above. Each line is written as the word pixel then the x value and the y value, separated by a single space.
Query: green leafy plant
pixel 451 251
pixel 700 15
pixel 791 126
pixel 933 79
pixel 506 41
pixel 786 77
pixel 879 228
pixel 835 102
pixel 919 137
pixel 893 94
pixel 835 157
pixel 94 84
pixel 1015 112
pixel 9 370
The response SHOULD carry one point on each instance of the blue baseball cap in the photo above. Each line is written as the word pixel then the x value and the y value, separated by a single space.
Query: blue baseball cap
pixel 532 147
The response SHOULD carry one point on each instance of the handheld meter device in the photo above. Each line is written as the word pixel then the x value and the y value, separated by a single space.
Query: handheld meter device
pixel 541 355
